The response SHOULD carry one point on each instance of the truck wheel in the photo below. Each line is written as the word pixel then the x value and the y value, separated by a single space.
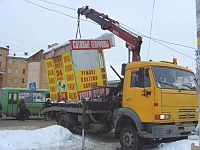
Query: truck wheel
pixel 63 121
pixel 129 138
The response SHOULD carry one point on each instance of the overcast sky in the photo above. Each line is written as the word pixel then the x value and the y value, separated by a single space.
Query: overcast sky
pixel 27 27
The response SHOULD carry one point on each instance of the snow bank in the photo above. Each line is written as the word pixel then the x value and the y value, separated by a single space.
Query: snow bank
pixel 52 137
pixel 180 145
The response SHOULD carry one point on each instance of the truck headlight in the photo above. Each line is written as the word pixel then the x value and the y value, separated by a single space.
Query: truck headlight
pixel 162 117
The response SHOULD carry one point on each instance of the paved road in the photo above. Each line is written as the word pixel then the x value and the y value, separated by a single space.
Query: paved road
pixel 31 124
pixel 102 141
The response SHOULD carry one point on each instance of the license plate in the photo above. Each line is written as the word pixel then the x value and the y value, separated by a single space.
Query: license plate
pixel 189 128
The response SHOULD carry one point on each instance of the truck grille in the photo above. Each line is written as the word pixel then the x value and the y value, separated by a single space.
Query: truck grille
pixel 187 116
pixel 186 110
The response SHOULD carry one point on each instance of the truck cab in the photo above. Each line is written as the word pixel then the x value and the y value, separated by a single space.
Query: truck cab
pixel 159 101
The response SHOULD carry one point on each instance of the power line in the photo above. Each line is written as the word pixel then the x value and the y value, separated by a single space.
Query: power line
pixel 154 39
pixel 15 45
pixel 151 29
pixel 126 26
pixel 49 9
pixel 56 11
pixel 173 49
pixel 174 43
pixel 15 38
pixel 95 23
pixel 157 39
pixel 43 8
pixel 58 5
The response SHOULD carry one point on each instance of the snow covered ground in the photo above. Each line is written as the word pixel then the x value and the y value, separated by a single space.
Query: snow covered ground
pixel 59 138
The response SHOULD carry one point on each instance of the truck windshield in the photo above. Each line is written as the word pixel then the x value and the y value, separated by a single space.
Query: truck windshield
pixel 173 78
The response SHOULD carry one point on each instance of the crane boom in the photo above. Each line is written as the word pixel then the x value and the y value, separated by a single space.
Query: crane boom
pixel 133 42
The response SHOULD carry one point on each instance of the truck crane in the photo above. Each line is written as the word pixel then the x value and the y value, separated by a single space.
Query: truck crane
pixel 157 100
pixel 133 42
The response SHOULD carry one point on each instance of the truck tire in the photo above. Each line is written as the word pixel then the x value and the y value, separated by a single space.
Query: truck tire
pixel 63 121
pixel 129 138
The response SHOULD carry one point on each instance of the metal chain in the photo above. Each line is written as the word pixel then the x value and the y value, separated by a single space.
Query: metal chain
pixel 78 27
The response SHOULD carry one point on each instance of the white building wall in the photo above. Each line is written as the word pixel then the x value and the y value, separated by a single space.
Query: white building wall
pixel 33 73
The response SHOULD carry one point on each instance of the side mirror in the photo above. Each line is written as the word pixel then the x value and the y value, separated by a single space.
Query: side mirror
pixel 123 69
pixel 141 74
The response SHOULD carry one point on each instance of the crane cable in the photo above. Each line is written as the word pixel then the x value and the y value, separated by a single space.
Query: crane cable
pixel 78 31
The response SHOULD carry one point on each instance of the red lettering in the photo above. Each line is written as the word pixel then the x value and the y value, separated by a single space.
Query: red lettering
pixel 68 68
pixel 58 65
pixel 51 80
pixel 49 64
pixel 73 95
pixel 60 78
pixel 50 72
pixel 87 72
pixel 89 78
pixel 70 77
pixel 57 60
pixel 89 85
pixel 52 89
pixel 71 86
pixel 67 59
pixel 53 96
pixel 59 73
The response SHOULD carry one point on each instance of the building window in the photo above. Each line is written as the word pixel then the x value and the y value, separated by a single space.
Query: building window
pixel 10 60
pixel 16 71
pixel 23 80
pixel 25 62
pixel 15 80
pixel 0 65
pixel 16 61
pixel 8 79
pixel 9 70
pixel 1 54
pixel 23 71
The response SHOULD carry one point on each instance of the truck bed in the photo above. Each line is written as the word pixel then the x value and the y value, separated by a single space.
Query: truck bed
pixel 70 110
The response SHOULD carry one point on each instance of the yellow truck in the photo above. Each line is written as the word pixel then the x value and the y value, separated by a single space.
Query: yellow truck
pixel 157 100
pixel 153 101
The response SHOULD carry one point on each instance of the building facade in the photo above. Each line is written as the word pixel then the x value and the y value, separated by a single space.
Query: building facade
pixel 16 71
pixel 12 68
pixel 4 51
pixel 36 70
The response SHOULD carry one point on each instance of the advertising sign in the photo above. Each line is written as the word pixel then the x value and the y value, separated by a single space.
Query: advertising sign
pixel 86 79
pixel 69 76
pixel 51 79
pixel 89 44
pixel 60 81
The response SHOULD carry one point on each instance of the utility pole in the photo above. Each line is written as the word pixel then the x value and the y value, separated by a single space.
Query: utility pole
pixel 198 58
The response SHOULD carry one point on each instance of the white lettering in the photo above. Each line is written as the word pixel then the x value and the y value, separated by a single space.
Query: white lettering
pixel 81 44
pixel 100 44
pixel 96 93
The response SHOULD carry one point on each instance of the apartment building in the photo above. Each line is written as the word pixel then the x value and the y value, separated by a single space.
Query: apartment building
pixel 12 68
pixel 4 51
